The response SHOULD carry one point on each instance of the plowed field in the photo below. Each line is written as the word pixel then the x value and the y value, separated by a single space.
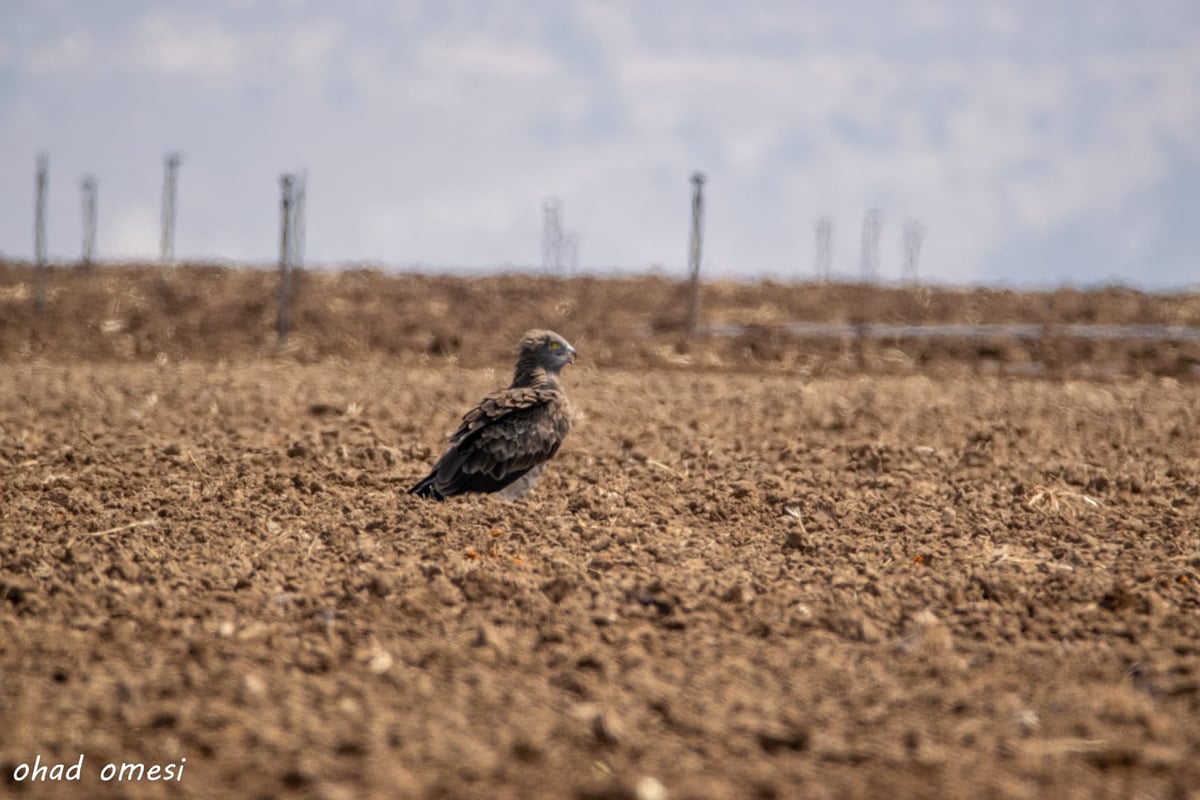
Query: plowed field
pixel 757 568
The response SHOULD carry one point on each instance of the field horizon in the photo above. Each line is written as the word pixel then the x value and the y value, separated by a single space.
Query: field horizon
pixel 201 312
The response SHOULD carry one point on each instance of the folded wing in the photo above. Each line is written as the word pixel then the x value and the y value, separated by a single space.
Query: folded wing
pixel 507 435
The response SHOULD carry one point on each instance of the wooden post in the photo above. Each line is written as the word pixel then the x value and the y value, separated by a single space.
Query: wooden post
pixel 869 265
pixel 693 310
pixel 285 257
pixel 914 234
pixel 88 186
pixel 42 182
pixel 166 242
pixel 552 236
pixel 824 238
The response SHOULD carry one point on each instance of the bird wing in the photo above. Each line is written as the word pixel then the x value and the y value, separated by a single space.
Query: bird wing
pixel 506 435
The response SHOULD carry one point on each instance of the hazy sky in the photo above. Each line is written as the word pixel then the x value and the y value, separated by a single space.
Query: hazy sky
pixel 1037 142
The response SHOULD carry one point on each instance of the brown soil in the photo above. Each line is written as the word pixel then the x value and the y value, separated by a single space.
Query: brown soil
pixel 791 571
pixel 209 313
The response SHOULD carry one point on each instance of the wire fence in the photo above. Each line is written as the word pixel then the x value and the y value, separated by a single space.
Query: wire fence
pixel 560 246
pixel 831 317
pixel 816 318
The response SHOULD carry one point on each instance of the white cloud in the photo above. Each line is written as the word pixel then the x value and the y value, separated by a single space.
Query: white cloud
pixel 1000 19
pixel 132 232
pixel 310 47
pixel 1008 158
pixel 929 17
pixel 479 58
pixel 63 54
pixel 196 48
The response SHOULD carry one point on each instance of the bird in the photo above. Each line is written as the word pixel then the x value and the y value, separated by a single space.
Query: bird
pixel 504 442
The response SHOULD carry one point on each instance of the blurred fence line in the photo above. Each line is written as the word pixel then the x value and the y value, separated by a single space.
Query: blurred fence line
pixel 677 309
pixel 560 247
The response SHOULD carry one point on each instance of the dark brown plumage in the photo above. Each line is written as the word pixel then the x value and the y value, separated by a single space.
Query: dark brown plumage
pixel 506 440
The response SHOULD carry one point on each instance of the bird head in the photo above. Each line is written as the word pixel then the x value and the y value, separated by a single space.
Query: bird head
pixel 546 349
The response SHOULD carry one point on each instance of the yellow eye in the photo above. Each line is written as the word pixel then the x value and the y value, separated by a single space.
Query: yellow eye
pixel 554 345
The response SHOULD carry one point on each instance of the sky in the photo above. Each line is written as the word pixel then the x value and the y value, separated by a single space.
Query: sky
pixel 1035 143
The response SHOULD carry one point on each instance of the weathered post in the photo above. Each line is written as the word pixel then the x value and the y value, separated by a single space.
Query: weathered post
pixel 552 235
pixel 285 257
pixel 166 241
pixel 914 235
pixel 824 256
pixel 869 264
pixel 41 181
pixel 693 310
pixel 88 185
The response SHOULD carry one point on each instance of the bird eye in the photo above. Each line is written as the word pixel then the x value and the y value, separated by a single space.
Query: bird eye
pixel 554 345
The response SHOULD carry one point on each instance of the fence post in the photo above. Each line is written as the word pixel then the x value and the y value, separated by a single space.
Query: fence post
pixel 914 235
pixel 552 235
pixel 693 310
pixel 166 241
pixel 824 241
pixel 869 265
pixel 285 257
pixel 41 181
pixel 88 185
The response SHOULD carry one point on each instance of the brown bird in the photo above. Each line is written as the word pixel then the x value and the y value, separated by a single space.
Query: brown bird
pixel 503 443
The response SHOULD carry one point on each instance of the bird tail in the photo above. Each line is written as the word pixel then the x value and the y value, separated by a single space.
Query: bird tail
pixel 426 489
